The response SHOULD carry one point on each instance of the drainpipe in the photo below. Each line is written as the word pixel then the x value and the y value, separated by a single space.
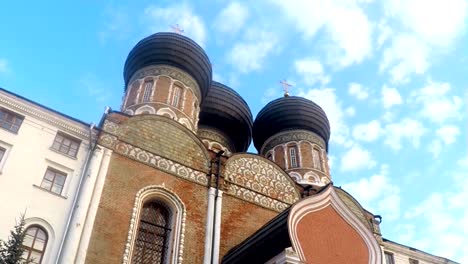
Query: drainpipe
pixel 89 155
pixel 217 213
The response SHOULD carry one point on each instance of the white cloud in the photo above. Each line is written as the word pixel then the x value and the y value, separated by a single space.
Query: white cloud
pixel 446 214
pixel 448 133
pixel 4 67
pixel 116 25
pixel 377 194
pixel 435 147
pixel 408 128
pixel 406 55
pixel 350 111
pixel 160 19
pixel 390 97
pixel 250 54
pixel 311 71
pixel 368 132
pixel 357 158
pixel 358 91
pixel 231 18
pixel 427 27
pixel 436 104
pixel 328 100
pixel 348 27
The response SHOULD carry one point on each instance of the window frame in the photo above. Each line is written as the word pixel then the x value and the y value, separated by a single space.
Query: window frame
pixel 317 157
pixel 293 159
pixel 55 171
pixel 66 137
pixel 391 257
pixel 176 94
pixel 31 249
pixel 4 114
pixel 147 91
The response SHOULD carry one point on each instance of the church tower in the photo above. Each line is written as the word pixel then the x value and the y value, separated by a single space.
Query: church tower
pixel 167 74
pixel 293 132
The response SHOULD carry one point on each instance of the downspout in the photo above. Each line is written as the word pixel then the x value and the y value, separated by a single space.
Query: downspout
pixel 92 148
pixel 216 225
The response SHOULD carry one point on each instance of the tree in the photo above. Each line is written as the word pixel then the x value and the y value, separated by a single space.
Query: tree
pixel 11 251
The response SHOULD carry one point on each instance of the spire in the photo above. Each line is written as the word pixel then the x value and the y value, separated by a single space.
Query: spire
pixel 177 29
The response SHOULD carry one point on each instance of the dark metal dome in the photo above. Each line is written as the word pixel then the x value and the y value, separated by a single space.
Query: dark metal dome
pixel 289 113
pixel 225 110
pixel 170 49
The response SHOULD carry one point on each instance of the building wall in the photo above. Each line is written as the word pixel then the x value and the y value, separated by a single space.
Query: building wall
pixel 23 167
pixel 402 254
pixel 124 179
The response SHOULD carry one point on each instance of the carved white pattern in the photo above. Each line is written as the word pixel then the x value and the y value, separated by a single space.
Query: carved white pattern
pixel 145 108
pixel 178 237
pixel 257 180
pixel 153 160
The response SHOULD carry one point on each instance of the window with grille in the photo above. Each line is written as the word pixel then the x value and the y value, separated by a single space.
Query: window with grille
pixel 389 258
pixel 176 96
pixel 10 121
pixel 293 157
pixel 34 244
pixel 148 91
pixel 66 144
pixel 317 159
pixel 151 244
pixel 54 181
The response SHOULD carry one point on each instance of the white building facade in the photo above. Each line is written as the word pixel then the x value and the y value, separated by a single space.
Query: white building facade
pixel 49 165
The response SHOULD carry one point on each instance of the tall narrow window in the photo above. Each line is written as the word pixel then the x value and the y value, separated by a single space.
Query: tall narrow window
pixel 317 159
pixel 147 91
pixel 151 244
pixel 389 258
pixel 34 244
pixel 293 157
pixel 176 96
pixel 10 121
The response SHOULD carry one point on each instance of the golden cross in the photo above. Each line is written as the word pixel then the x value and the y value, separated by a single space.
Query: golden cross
pixel 177 29
pixel 286 87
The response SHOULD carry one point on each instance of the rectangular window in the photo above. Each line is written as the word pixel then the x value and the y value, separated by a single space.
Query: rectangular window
pixel 148 91
pixel 176 97
pixel 293 157
pixel 413 261
pixel 10 121
pixel 54 180
pixel 66 144
pixel 389 258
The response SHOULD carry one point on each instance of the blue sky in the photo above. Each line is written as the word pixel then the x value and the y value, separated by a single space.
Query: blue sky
pixel 391 76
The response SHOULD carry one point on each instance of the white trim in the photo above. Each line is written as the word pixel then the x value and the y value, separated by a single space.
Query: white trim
pixel 320 201
pixel 178 212
pixel 168 111
pixel 184 121
pixel 50 235
pixel 7 148
pixel 144 108
pixel 217 231
pixel 209 226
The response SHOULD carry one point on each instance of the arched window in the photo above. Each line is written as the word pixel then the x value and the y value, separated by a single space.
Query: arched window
pixel 176 96
pixel 293 157
pixel 317 159
pixel 151 243
pixel 148 91
pixel 34 244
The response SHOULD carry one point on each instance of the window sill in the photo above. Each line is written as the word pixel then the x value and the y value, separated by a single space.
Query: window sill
pixel 64 154
pixel 12 132
pixel 56 194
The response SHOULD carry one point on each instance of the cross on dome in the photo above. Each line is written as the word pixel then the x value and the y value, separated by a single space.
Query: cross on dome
pixel 286 87
pixel 177 29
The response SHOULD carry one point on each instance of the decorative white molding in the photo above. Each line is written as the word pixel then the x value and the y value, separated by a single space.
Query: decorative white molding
pixel 167 110
pixel 329 197
pixel 184 121
pixel 30 221
pixel 178 212
pixel 62 122
pixel 144 108
pixel 258 180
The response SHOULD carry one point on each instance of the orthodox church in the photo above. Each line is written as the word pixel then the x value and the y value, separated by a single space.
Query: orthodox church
pixel 176 185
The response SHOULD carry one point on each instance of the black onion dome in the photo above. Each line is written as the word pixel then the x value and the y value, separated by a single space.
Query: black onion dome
pixel 225 110
pixel 288 113
pixel 171 49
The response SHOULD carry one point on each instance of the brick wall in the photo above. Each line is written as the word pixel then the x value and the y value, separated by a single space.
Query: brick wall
pixel 125 178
